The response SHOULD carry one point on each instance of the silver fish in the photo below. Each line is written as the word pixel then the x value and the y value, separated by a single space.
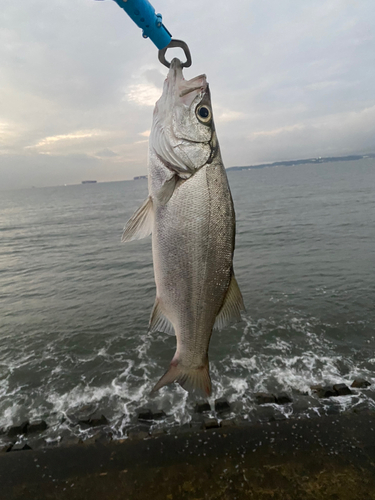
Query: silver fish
pixel 190 213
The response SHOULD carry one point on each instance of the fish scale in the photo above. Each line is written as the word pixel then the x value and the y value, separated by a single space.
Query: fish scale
pixel 194 268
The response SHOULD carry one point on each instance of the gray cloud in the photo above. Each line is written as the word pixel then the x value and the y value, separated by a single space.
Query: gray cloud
pixel 288 79
pixel 106 153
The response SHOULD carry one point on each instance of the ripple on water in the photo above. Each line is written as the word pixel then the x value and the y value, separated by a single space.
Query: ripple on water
pixel 76 302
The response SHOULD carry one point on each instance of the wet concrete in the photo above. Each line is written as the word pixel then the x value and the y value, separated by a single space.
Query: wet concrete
pixel 330 458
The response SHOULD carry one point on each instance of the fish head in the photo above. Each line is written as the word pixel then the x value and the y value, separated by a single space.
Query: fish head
pixel 183 131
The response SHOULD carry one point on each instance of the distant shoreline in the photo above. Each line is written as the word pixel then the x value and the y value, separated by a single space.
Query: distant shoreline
pixel 285 163
pixel 319 159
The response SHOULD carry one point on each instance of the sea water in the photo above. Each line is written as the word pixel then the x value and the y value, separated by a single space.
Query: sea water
pixel 75 302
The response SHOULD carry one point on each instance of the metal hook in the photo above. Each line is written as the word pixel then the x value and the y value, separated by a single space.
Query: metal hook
pixel 175 43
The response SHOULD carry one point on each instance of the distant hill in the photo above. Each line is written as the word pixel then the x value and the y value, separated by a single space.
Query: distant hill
pixel 304 161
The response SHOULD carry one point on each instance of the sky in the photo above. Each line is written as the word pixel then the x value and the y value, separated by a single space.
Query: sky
pixel 289 79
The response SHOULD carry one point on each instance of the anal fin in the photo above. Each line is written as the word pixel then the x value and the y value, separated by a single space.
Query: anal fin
pixel 158 320
pixel 232 306
pixel 140 223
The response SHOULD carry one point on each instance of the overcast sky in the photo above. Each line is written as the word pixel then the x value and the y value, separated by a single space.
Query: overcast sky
pixel 289 79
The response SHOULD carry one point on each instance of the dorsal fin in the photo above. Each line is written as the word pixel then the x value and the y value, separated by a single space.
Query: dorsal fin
pixel 232 306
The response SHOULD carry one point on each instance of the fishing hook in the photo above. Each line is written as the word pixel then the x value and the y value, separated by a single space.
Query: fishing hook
pixel 175 43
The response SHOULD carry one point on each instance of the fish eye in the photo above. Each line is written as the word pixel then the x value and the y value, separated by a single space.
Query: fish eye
pixel 204 114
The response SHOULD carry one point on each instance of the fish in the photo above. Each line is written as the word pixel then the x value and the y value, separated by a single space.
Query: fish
pixel 189 212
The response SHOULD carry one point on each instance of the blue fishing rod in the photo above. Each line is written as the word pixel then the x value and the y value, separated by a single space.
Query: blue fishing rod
pixel 151 24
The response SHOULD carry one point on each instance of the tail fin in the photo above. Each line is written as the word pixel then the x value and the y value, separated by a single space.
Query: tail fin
pixel 190 379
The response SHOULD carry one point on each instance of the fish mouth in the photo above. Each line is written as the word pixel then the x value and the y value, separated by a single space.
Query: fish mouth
pixel 187 91
pixel 184 90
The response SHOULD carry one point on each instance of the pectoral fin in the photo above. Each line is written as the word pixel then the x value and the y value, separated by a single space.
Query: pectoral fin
pixel 232 306
pixel 140 223
pixel 165 192
pixel 158 320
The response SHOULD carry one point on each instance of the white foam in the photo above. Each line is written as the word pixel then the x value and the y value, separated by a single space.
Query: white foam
pixel 266 357
pixel 10 415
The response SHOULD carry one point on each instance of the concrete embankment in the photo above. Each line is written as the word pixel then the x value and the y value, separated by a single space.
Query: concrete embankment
pixel 320 458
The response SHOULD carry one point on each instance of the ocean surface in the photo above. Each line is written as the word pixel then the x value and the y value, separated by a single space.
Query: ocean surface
pixel 75 302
